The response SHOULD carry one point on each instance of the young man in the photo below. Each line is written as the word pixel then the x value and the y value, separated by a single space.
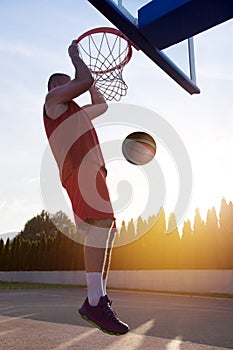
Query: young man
pixel 75 146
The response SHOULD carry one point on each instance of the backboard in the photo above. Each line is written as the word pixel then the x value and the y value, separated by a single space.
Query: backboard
pixel 159 25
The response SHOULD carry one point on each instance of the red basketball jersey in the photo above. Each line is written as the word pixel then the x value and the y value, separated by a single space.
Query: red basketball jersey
pixel 73 140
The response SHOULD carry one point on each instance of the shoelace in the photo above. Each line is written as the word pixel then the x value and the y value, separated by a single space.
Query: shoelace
pixel 110 313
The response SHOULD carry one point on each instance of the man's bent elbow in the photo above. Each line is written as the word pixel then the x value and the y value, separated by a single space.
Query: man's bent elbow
pixel 86 83
pixel 101 108
pixel 89 82
pixel 104 107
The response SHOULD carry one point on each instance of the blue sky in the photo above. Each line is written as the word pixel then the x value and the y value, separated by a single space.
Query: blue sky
pixel 33 44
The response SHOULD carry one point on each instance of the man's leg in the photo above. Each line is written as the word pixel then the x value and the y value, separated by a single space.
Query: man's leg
pixel 95 247
pixel 97 307
pixel 108 254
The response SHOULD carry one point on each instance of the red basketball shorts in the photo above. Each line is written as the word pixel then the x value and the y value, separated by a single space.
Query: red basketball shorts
pixel 88 193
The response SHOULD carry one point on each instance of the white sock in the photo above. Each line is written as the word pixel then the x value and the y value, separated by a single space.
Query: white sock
pixel 105 286
pixel 94 287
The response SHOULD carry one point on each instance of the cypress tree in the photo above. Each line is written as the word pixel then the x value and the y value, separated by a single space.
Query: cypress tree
pixel 1 254
pixel 172 245
pixel 187 258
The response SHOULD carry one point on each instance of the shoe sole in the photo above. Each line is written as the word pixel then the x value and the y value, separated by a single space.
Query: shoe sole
pixel 97 326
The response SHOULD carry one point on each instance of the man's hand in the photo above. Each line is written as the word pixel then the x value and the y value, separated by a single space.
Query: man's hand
pixel 73 50
pixel 81 69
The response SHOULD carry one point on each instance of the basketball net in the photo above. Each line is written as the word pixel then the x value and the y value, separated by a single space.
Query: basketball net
pixel 106 52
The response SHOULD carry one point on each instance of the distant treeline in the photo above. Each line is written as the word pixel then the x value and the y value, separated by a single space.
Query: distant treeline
pixel 204 245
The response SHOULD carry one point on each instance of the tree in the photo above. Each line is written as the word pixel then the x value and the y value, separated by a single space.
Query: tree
pixel 159 246
pixel 226 233
pixel 198 242
pixel 172 245
pixel 6 255
pixel 1 245
pixel 225 219
pixel 39 225
pixel 1 254
pixel 63 224
pixel 48 224
pixel 121 236
pixel 131 231
pixel 187 246
pixel 141 227
pixel 42 252
pixel 14 249
pixel 211 240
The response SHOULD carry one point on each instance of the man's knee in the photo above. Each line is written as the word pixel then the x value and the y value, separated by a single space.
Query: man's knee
pixel 98 232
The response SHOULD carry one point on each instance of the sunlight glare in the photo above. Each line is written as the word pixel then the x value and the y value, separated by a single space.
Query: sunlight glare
pixel 175 343
pixel 73 341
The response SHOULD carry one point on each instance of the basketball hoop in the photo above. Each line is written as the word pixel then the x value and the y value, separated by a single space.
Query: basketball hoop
pixel 106 51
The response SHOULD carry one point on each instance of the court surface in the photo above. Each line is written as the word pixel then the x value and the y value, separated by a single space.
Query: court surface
pixel 47 319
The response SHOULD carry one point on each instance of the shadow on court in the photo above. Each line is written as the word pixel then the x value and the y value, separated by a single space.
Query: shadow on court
pixel 48 319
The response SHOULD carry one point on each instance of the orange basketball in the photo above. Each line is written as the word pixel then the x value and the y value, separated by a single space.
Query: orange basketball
pixel 139 148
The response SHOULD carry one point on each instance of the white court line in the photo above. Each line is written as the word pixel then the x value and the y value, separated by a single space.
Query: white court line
pixel 6 308
pixel 13 318
pixel 74 340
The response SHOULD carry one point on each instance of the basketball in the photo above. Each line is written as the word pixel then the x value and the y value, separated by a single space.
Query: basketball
pixel 139 148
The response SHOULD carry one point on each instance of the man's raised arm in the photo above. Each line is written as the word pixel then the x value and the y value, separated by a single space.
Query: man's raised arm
pixel 73 88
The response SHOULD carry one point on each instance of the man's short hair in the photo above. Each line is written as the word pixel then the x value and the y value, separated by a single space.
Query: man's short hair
pixel 55 78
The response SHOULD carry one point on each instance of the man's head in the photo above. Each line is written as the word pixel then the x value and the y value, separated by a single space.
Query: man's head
pixel 57 79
